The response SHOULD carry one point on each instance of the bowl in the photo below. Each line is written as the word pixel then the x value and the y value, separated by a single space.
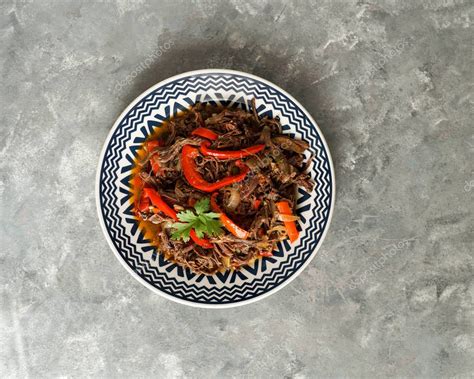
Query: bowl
pixel 230 288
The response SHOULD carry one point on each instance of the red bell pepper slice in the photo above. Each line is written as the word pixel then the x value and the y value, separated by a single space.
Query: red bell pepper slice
pixel 136 181
pixel 230 225
pixel 230 154
pixel 256 203
pixel 203 242
pixel 154 159
pixel 159 203
pixel 205 133
pixel 195 179
pixel 284 208
pixel 155 164
pixel 143 204
pixel 151 145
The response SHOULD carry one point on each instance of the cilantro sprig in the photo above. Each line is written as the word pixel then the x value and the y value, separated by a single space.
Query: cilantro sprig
pixel 201 220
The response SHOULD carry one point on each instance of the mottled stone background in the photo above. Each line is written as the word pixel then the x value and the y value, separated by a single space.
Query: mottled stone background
pixel 390 84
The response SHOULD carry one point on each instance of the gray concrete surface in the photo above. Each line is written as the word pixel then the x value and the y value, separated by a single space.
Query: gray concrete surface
pixel 390 294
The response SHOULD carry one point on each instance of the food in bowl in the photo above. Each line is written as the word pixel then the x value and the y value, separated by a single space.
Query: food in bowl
pixel 214 188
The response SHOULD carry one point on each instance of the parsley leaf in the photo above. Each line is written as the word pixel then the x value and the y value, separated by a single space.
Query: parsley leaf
pixel 212 215
pixel 186 216
pixel 202 205
pixel 182 231
pixel 201 220
pixel 213 227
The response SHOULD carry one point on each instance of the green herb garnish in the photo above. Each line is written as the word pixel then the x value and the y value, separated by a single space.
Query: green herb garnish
pixel 201 220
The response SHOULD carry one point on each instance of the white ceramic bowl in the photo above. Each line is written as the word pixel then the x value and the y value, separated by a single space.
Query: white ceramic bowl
pixel 140 258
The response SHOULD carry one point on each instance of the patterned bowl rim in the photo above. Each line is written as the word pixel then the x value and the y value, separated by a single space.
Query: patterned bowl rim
pixel 135 274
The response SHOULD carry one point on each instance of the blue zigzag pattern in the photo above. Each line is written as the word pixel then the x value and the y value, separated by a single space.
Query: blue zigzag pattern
pixel 147 114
